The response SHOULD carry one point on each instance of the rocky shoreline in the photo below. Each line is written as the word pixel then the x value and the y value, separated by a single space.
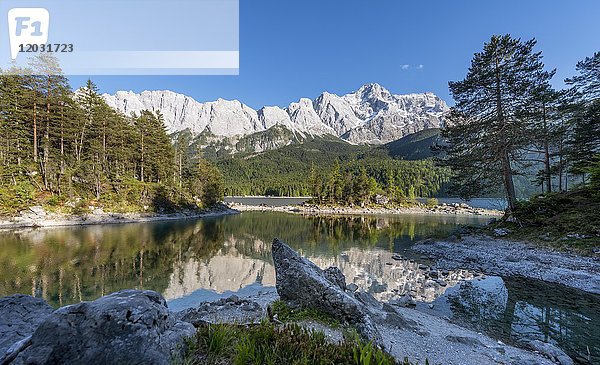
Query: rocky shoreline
pixel 502 257
pixel 311 209
pixel 135 326
pixel 38 217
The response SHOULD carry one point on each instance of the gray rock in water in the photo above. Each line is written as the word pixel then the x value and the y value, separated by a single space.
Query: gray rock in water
pixel 404 301
pixel 303 284
pixel 501 232
pixel 20 315
pixel 229 310
pixel 126 327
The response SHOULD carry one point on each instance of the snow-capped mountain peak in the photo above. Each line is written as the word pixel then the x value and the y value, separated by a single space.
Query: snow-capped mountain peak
pixel 369 115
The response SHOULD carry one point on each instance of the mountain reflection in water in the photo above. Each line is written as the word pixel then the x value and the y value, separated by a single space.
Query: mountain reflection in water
pixel 68 265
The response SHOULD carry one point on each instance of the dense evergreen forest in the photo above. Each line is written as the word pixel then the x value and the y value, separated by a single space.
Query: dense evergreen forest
pixel 70 150
pixel 332 172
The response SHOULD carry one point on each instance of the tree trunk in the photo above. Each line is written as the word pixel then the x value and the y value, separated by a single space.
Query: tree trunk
pixel 506 169
pixel 547 174
pixel 62 140
pixel 560 166
pixel 508 182
pixel 142 160
pixel 46 158
pixel 180 169
pixel 35 144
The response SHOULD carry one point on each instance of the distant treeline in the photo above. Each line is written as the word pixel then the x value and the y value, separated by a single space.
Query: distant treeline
pixel 332 172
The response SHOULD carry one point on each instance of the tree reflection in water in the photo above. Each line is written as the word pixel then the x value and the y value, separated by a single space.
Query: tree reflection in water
pixel 532 310
pixel 67 265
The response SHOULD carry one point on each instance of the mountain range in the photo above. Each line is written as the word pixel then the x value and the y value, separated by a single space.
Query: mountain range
pixel 370 115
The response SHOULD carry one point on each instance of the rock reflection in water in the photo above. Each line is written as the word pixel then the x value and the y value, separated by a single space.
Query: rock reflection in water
pixel 376 272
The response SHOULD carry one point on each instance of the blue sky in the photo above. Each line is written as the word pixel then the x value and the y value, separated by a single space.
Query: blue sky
pixel 299 48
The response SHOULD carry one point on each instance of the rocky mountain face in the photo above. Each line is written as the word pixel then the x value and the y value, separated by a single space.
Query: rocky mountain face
pixel 371 115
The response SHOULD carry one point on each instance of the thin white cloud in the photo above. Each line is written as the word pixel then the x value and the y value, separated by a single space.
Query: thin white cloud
pixel 405 67
pixel 420 67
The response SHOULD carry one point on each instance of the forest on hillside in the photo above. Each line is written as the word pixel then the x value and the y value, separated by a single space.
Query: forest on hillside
pixel 68 150
pixel 332 172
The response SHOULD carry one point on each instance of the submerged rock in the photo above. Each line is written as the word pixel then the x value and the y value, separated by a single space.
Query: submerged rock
pixel 551 351
pixel 352 287
pixel 303 284
pixel 126 327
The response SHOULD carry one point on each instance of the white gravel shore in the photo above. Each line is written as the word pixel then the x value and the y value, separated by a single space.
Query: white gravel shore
pixel 37 217
pixel 452 210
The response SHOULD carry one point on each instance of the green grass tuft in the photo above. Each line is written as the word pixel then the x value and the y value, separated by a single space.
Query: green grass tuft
pixel 286 314
pixel 567 220
pixel 268 344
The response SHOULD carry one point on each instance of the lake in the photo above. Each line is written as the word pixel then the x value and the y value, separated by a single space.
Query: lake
pixel 190 261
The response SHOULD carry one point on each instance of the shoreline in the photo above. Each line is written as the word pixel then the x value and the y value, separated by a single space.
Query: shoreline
pixel 501 257
pixel 439 210
pixel 36 217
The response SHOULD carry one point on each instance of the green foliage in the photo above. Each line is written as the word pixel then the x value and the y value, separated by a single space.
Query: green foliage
pixel 286 344
pixel 286 314
pixel 565 220
pixel 16 197
pixel 73 146
pixel 432 202
pixel 331 171
pixel 416 146
pixel 486 128
pixel 218 339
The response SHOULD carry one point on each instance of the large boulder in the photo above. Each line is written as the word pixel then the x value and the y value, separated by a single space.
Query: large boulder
pixel 20 316
pixel 126 327
pixel 300 283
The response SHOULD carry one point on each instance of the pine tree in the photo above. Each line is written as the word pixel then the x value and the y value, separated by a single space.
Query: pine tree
pixel 486 130
pixel 584 145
